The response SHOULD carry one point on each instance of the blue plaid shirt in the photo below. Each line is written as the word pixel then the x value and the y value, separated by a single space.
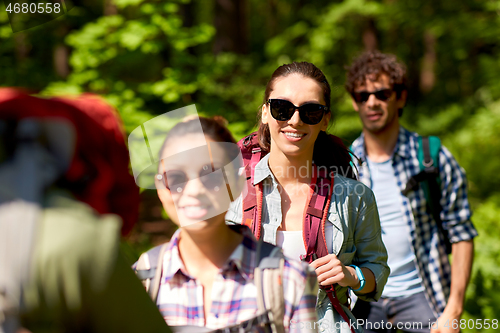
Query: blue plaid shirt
pixel 429 246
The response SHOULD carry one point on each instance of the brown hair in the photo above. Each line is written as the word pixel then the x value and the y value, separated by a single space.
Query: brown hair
pixel 329 151
pixel 215 128
pixel 376 62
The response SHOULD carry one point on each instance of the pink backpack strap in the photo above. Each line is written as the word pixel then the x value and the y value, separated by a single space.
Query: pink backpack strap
pixel 314 231
pixel 316 214
pixel 252 201
pixel 249 201
pixel 332 295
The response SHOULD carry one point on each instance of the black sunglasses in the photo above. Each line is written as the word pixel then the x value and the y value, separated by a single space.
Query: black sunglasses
pixel 381 95
pixel 310 113
pixel 175 180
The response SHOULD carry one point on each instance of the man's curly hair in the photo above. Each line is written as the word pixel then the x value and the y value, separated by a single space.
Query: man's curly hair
pixel 376 62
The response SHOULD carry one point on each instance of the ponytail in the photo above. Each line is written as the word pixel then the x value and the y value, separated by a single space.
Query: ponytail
pixel 264 137
pixel 330 152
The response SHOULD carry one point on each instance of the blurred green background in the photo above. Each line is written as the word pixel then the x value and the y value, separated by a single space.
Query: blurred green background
pixel 147 57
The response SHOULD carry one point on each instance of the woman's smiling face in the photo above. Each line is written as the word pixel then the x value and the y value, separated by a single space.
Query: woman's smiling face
pixel 196 187
pixel 293 137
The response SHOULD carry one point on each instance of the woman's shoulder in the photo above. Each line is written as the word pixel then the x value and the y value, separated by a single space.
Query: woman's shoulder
pixel 351 194
pixel 351 187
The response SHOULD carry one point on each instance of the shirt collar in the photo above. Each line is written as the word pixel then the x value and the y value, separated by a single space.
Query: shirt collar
pixel 242 258
pixel 262 170
pixel 172 262
pixel 402 145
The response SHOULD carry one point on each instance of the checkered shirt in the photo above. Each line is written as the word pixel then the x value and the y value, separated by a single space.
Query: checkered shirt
pixel 234 294
pixel 427 243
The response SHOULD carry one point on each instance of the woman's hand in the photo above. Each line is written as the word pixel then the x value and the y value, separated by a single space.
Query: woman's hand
pixel 330 270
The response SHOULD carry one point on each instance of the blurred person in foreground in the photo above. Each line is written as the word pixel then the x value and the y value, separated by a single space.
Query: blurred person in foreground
pixel 65 189
pixel 423 211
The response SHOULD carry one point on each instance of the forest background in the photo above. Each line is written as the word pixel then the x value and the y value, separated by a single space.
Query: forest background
pixel 147 57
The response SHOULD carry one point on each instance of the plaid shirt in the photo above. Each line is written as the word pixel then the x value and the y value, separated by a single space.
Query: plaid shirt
pixel 428 245
pixel 234 294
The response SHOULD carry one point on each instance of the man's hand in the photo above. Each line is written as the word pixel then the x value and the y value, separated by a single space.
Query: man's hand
pixel 461 266
pixel 330 270
pixel 449 322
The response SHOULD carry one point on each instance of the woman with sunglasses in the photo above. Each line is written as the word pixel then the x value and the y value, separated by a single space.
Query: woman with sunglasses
pixel 207 268
pixel 294 117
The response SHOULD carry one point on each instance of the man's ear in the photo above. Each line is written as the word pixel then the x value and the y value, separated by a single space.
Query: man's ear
pixel 401 102
pixel 265 113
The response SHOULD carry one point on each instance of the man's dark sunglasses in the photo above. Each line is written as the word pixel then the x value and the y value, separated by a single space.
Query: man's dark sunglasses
pixel 311 113
pixel 381 95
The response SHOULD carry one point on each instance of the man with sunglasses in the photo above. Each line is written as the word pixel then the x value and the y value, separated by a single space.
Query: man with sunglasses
pixel 423 287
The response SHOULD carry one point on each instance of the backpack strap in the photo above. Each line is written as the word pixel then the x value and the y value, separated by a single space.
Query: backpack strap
pixel 268 276
pixel 315 215
pixel 428 178
pixel 428 158
pixel 315 241
pixel 332 296
pixel 252 205
pixel 148 269
pixel 251 153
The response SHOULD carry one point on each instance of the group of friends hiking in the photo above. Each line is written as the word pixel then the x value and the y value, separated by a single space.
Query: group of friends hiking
pixel 286 230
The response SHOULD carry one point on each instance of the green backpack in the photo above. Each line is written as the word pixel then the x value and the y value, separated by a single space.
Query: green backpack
pixel 429 179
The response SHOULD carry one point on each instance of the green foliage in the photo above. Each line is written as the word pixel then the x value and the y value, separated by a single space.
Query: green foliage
pixel 147 57
pixel 483 299
pixel 476 146
pixel 110 53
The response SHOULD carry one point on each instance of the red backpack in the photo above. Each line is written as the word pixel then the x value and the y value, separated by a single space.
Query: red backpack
pixel 315 214
pixel 96 174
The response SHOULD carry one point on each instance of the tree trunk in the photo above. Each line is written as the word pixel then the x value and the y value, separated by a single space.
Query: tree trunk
pixel 231 24
pixel 427 74
pixel 109 8
pixel 61 56
pixel 370 37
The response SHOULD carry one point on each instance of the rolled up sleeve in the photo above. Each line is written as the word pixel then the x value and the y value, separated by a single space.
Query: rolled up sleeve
pixel 456 212
pixel 370 249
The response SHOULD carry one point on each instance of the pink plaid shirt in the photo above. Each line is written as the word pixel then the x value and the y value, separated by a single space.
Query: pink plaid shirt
pixel 234 294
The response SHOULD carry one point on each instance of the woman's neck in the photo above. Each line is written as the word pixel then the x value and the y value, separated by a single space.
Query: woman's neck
pixel 208 247
pixel 291 169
